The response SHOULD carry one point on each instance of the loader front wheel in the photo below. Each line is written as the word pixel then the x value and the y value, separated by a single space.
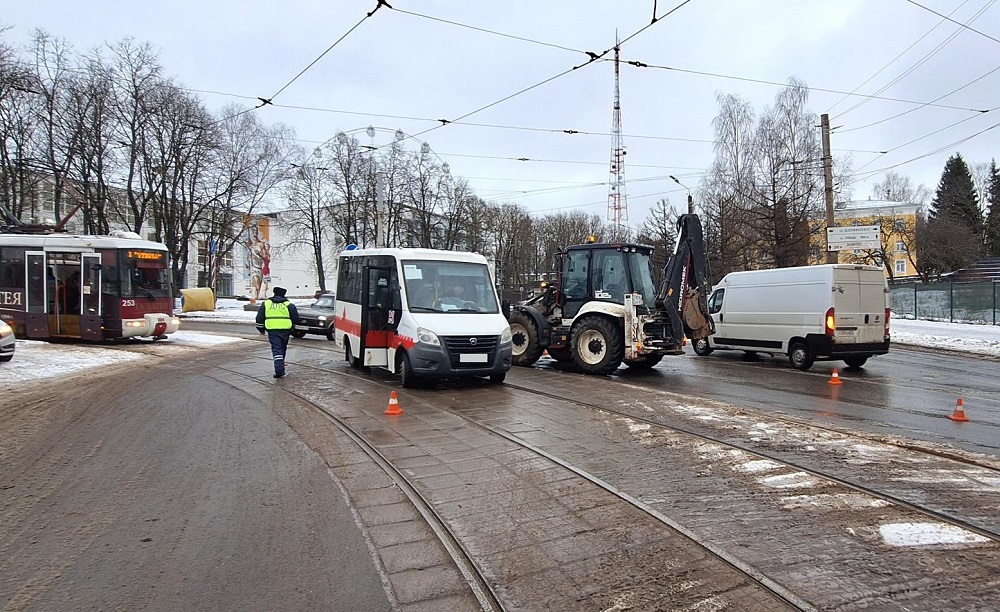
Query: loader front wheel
pixel 526 349
pixel 598 345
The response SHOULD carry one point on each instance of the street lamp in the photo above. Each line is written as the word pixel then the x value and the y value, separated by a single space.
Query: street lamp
pixel 690 199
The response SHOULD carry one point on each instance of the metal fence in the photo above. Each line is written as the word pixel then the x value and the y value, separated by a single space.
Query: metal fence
pixel 947 301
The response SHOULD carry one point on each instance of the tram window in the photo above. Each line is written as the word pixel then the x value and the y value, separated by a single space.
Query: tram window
pixel 11 267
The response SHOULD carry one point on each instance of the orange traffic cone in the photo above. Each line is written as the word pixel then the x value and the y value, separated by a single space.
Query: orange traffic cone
pixel 959 414
pixel 393 405
pixel 835 378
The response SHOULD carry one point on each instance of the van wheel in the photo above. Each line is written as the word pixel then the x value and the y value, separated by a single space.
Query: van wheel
pixel 496 379
pixel 406 376
pixel 702 347
pixel 799 355
pixel 855 362
pixel 524 336
pixel 352 361
pixel 598 345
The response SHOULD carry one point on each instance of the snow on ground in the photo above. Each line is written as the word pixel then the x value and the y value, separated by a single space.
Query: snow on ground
pixel 34 360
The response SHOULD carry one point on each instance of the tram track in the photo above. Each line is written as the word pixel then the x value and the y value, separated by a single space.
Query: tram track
pixel 860 488
pixel 467 564
pixel 464 562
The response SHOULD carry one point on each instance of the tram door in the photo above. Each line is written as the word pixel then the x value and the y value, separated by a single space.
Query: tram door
pixel 90 297
pixel 381 309
pixel 38 288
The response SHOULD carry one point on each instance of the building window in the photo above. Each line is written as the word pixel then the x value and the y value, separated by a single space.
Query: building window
pixel 900 225
pixel 900 246
pixel 901 267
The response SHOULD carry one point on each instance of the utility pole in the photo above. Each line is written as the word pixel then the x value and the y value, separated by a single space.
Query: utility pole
pixel 381 218
pixel 831 256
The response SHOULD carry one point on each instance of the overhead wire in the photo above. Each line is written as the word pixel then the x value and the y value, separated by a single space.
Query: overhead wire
pixel 893 60
pixel 639 64
pixel 971 29
pixel 368 15
pixel 922 60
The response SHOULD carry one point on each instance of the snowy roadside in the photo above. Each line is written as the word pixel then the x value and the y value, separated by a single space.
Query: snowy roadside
pixel 35 360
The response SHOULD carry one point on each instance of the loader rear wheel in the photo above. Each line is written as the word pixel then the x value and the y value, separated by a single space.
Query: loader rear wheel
pixel 526 350
pixel 598 345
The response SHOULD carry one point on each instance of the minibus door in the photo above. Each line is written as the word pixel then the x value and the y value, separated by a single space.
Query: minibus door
pixel 380 313
pixel 90 297
pixel 37 292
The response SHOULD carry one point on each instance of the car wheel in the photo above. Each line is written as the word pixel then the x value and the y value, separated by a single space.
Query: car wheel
pixel 352 361
pixel 598 345
pixel 330 335
pixel 799 355
pixel 299 333
pixel 702 347
pixel 855 362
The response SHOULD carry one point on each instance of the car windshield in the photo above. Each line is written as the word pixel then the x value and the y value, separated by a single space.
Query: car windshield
pixel 449 286
pixel 325 301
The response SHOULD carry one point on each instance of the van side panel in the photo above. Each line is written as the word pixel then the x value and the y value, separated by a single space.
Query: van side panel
pixel 767 315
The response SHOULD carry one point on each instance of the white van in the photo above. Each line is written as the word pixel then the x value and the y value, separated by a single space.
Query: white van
pixel 828 312
pixel 421 313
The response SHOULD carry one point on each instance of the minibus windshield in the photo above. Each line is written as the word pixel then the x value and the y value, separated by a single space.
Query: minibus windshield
pixel 448 286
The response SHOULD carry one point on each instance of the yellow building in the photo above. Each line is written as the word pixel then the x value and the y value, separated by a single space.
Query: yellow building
pixel 897 222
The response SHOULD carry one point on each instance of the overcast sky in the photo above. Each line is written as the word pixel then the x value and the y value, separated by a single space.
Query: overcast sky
pixel 405 67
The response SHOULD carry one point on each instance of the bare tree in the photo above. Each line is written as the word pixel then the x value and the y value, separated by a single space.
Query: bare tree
pixel 659 230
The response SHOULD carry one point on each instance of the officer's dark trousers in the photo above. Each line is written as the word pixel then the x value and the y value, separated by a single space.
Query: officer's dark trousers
pixel 279 345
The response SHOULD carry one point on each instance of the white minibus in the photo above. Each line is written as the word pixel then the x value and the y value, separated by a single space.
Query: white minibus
pixel 421 313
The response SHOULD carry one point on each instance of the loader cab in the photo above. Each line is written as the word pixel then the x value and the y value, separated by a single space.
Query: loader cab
pixel 604 272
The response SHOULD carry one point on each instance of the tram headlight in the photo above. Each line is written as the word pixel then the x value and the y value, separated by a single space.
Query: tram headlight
pixel 136 323
pixel 175 321
pixel 426 336
pixel 506 337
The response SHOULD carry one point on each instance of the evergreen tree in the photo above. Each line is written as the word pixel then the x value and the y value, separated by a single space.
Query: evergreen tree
pixel 991 233
pixel 955 200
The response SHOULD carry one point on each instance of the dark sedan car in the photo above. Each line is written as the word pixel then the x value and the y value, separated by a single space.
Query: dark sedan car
pixel 317 318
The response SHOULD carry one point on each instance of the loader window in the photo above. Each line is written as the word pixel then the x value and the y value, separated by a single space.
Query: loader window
pixel 575 275
pixel 610 281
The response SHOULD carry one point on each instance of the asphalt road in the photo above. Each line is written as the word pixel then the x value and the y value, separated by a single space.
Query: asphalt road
pixel 160 487
pixel 909 392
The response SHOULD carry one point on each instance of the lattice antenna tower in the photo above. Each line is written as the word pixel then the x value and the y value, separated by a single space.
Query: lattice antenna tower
pixel 617 200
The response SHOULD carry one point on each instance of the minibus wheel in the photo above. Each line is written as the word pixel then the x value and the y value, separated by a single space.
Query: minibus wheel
pixel 406 376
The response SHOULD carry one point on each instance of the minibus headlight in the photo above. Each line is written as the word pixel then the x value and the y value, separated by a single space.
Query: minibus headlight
pixel 506 337
pixel 426 336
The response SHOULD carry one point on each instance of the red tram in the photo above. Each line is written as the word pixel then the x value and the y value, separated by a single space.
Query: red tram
pixel 96 288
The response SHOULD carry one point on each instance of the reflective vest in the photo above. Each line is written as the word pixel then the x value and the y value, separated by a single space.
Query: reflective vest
pixel 276 317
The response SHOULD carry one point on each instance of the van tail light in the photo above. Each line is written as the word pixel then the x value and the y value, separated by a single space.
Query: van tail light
pixel 888 311
pixel 831 323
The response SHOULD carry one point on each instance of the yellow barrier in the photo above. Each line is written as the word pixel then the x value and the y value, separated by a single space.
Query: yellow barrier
pixel 198 298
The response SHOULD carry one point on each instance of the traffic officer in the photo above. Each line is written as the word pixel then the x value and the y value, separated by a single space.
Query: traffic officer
pixel 277 316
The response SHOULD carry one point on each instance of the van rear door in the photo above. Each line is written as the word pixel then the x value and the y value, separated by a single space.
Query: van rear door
pixel 859 300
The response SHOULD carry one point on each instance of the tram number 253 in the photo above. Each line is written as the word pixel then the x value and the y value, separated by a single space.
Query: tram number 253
pixel 128 302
